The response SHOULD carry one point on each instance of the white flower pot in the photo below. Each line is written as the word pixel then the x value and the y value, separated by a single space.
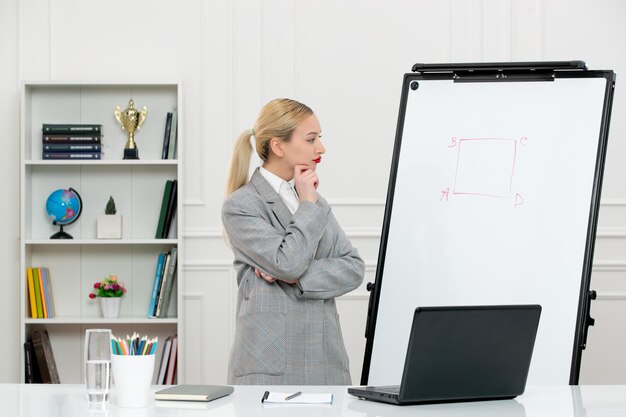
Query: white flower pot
pixel 110 306
pixel 109 226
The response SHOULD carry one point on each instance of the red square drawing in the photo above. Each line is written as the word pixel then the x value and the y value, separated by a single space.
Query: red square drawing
pixel 485 166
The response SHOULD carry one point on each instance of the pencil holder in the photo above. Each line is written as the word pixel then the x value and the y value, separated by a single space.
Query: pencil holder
pixel 132 375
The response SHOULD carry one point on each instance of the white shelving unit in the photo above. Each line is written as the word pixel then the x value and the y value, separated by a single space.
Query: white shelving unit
pixel 137 187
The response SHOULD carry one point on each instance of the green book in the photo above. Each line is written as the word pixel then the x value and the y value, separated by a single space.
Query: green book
pixel 171 209
pixel 164 204
pixel 37 293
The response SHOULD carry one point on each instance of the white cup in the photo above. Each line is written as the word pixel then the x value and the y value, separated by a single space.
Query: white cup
pixel 132 375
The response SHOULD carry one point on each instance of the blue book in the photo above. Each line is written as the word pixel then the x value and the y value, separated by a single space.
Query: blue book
pixel 47 291
pixel 157 283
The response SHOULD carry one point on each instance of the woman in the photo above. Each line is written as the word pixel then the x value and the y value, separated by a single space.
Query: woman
pixel 291 256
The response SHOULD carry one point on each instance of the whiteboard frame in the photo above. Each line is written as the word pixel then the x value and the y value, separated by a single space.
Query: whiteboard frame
pixel 502 72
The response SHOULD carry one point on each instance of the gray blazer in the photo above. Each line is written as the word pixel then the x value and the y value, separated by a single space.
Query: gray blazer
pixel 288 334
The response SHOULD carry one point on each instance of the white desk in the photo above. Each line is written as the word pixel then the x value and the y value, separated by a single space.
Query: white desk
pixel 549 401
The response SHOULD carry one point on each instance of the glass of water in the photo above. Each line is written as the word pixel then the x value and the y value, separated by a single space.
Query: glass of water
pixel 98 364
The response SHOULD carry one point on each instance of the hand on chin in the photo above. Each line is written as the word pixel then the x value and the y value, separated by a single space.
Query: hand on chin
pixel 310 165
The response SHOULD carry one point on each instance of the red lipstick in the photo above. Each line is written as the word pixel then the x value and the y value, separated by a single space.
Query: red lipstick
pixel 318 160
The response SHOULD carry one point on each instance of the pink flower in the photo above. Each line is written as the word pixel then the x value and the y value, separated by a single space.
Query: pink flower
pixel 109 286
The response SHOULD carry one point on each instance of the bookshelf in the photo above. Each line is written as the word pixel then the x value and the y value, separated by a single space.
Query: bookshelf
pixel 137 187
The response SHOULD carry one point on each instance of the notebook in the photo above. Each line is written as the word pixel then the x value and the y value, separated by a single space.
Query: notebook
pixel 463 353
pixel 193 392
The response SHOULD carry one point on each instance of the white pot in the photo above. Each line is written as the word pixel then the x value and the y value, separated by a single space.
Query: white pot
pixel 110 306
pixel 109 226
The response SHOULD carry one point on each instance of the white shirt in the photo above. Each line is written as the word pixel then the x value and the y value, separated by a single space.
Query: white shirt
pixel 285 189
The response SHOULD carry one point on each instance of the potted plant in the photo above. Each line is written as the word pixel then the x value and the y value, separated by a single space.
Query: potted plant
pixel 109 224
pixel 110 291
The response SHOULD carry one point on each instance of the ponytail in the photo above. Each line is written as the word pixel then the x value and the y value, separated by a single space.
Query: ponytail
pixel 240 163
pixel 278 119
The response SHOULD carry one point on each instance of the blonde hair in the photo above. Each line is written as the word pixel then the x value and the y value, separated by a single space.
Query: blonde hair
pixel 277 119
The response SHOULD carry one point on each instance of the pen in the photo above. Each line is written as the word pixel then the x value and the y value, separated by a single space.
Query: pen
pixel 292 396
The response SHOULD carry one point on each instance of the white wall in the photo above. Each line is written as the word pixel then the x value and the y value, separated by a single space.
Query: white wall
pixel 346 60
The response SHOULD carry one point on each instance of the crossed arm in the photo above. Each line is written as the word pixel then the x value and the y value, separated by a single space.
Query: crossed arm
pixel 289 256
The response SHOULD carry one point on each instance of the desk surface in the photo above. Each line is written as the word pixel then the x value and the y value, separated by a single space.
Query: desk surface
pixel 554 401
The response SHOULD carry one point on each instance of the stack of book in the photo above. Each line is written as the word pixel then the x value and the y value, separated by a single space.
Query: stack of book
pixel 72 141
pixel 39 363
pixel 40 293
pixel 164 277
pixel 167 368
pixel 168 209
pixel 170 136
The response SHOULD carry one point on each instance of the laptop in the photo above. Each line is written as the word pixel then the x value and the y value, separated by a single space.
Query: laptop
pixel 463 353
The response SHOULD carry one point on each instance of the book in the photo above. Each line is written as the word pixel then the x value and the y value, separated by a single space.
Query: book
pixel 164 205
pixel 65 139
pixel 51 364
pixel 182 405
pixel 156 283
pixel 47 289
pixel 165 266
pixel 71 128
pixel 33 368
pixel 171 152
pixel 168 279
pixel 72 155
pixel 44 306
pixel 164 359
pixel 172 362
pixel 45 357
pixel 31 293
pixel 166 136
pixel 72 147
pixel 193 392
pixel 28 364
pixel 171 209
pixel 37 293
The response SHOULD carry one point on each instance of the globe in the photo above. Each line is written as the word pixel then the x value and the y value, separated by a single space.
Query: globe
pixel 63 207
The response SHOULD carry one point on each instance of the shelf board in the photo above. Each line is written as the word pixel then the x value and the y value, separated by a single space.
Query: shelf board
pixel 56 242
pixel 98 320
pixel 102 162
pixel 31 84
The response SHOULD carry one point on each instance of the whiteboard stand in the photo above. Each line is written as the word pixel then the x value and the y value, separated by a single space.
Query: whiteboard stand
pixel 493 198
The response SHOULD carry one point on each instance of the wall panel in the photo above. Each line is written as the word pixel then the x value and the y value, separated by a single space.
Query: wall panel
pixel 9 169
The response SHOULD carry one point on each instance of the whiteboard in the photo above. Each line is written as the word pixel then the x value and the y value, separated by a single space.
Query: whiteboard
pixel 491 204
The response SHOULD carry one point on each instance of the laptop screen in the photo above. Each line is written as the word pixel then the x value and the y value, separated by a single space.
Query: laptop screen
pixel 469 352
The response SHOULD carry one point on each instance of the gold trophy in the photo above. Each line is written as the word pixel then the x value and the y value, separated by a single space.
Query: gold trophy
pixel 131 119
